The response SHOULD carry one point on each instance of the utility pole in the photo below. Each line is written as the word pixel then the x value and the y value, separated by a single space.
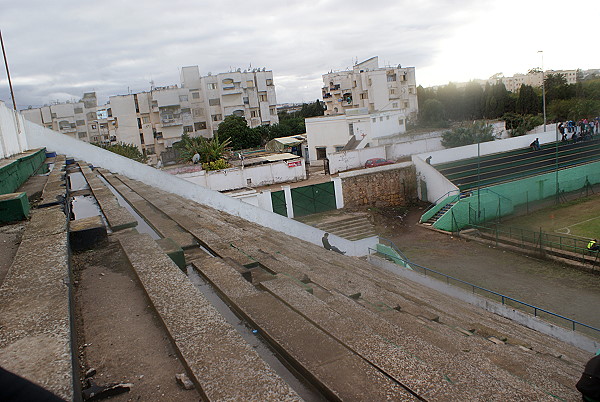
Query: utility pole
pixel 12 94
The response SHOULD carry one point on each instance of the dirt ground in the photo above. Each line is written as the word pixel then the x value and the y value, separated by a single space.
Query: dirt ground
pixel 543 283
pixel 118 333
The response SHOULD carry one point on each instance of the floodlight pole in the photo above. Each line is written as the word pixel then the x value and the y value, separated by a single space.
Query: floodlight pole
pixel 543 89
pixel 478 184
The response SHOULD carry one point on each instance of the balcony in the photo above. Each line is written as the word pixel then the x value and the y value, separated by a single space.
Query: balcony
pixel 326 95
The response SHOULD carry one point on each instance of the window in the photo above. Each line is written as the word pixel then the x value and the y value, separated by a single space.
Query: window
pixel 411 91
pixel 200 125
pixel 154 103
pixel 78 110
pixel 197 112
pixel 370 82
pixel 183 98
pixel 400 121
pixel 405 104
pixel 269 81
pixel 145 119
pixel 214 102
pixel 364 95
pixel 273 111
pixel 195 95
pixel 150 150
pixel 354 84
pixel 374 120
pixel 187 129
pixel 80 122
pixel 212 85
pixel 338 148
pixel 381 118
pixel 246 100
pixel 351 128
pixel 53 115
pixel 321 153
pixel 392 91
pixel 186 110
pixel 250 84
pixel 141 138
pixel 139 122
pixel 216 117
pixel 93 126
pixel 391 77
pixel 262 97
pixel 254 113
pixel 81 134
pixel 395 105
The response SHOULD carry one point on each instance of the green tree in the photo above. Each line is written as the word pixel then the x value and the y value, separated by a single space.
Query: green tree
pixel 236 129
pixel 128 150
pixel 528 101
pixel 473 100
pixel 210 150
pixel 518 124
pixel 468 134
pixel 432 112
pixel 556 88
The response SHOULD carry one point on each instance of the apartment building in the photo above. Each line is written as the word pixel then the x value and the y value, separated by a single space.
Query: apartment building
pixel 372 87
pixel 534 79
pixel 83 119
pixel 154 120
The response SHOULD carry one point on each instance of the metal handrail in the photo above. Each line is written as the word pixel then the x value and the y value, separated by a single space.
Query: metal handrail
pixel 503 297
pixel 395 248
pixel 440 198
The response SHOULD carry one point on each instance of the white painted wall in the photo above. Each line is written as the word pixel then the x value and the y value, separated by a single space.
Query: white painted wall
pixel 39 136
pixel 437 184
pixel 12 136
pixel 492 147
pixel 236 177
pixel 346 160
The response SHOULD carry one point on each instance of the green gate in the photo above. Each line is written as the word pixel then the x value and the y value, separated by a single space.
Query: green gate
pixel 278 201
pixel 312 199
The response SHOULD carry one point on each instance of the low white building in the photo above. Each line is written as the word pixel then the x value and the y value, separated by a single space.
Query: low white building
pixel 354 130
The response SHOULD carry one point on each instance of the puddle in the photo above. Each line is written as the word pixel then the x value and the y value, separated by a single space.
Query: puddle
pixel 298 384
pixel 77 182
pixel 142 225
pixel 84 206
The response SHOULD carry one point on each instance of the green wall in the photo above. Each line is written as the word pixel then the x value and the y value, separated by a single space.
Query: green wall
pixel 500 200
pixel 17 171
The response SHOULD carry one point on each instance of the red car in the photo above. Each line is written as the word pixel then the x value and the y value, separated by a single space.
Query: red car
pixel 377 162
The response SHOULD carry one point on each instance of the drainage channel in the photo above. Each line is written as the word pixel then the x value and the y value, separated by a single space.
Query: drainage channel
pixel 252 336
pixel 142 225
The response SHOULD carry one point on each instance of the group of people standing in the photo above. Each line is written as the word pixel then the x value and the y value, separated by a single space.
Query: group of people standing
pixel 581 130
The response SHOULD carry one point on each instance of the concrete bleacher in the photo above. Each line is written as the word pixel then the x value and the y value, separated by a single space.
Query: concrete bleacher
pixel 425 343
pixel 35 336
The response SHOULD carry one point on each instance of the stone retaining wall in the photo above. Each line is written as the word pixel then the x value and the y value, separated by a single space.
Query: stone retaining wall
pixel 381 187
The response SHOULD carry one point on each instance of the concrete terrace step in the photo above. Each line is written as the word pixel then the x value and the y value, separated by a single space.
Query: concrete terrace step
pixel 374 292
pixel 339 372
pixel 117 216
pixel 222 364
pixel 35 336
pixel 160 222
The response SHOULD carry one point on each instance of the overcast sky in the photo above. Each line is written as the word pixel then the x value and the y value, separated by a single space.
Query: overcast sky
pixel 59 49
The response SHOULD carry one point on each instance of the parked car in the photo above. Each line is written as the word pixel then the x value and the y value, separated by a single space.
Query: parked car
pixel 377 162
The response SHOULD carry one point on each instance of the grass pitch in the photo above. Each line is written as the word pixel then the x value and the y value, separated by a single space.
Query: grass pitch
pixel 578 218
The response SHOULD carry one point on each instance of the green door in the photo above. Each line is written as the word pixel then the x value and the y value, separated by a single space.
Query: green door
pixel 279 205
pixel 312 199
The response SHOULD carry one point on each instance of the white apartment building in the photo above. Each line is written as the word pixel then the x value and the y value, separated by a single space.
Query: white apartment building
pixel 372 87
pixel 83 119
pixel 534 79
pixel 154 120
pixel 355 129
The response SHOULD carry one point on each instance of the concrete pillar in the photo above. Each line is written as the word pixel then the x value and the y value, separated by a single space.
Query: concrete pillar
pixel 287 191
pixel 265 201
pixel 339 193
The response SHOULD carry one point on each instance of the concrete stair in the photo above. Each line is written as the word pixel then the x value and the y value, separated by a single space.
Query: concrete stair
pixel 353 228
